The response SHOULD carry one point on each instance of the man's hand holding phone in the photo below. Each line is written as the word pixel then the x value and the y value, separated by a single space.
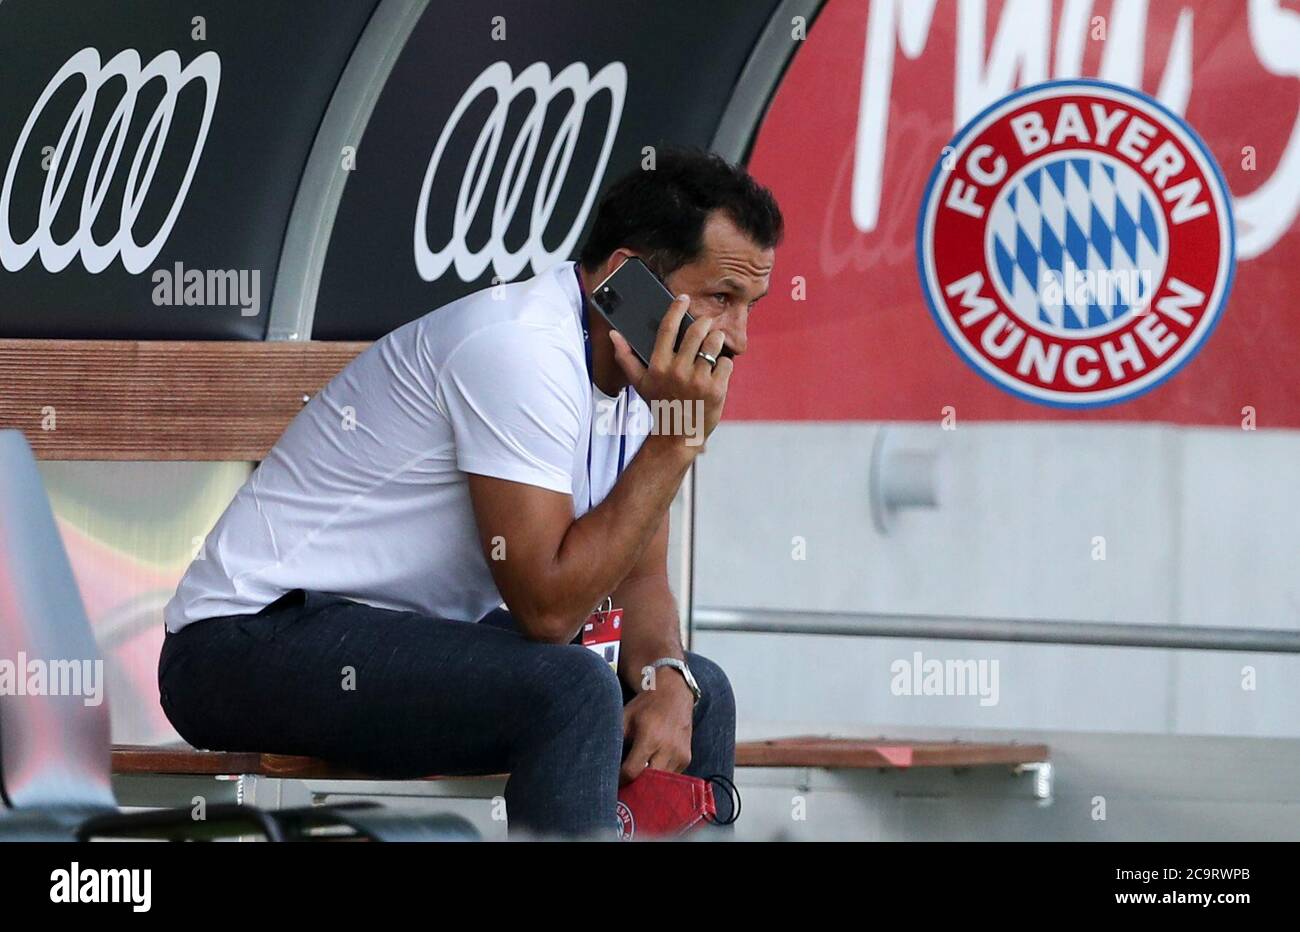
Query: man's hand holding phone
pixel 682 376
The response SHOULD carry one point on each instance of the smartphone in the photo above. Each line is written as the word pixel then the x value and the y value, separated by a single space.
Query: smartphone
pixel 634 301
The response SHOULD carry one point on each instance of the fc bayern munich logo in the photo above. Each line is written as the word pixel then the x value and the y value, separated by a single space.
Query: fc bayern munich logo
pixel 1076 244
pixel 626 824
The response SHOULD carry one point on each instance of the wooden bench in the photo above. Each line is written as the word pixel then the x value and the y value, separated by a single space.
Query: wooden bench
pixel 230 401
pixel 880 754
pixel 148 400
pixel 803 751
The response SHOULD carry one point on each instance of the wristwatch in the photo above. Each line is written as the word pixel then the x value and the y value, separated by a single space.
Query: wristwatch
pixel 681 667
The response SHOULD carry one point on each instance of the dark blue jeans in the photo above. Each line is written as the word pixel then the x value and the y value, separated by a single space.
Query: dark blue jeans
pixel 400 694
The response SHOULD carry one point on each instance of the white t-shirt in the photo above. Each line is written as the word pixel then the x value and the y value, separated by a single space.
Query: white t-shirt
pixel 366 495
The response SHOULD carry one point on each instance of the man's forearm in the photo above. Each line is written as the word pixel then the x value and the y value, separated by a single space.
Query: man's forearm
pixel 601 547
pixel 651 628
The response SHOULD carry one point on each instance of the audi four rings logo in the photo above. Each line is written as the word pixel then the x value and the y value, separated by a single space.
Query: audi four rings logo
pixel 536 79
pixel 96 257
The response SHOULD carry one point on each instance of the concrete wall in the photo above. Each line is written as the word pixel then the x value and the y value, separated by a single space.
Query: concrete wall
pixel 1200 528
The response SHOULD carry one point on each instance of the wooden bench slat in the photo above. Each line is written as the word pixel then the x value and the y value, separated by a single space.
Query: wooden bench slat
pixel 143 400
pixel 138 758
pixel 813 751
pixel 135 759
pixel 803 751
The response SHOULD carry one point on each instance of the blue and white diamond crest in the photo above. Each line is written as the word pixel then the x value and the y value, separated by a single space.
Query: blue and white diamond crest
pixel 1077 242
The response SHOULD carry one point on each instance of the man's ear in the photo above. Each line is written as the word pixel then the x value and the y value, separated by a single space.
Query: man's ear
pixel 616 258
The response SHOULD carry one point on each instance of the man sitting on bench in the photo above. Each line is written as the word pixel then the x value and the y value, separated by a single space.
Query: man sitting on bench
pixel 459 463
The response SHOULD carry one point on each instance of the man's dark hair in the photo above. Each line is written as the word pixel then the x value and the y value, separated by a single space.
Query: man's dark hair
pixel 661 213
